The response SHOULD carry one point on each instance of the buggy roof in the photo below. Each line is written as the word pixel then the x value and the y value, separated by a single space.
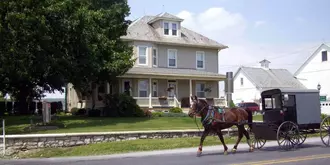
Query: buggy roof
pixel 288 90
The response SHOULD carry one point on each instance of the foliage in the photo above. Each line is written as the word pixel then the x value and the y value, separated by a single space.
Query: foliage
pixel 232 104
pixel 94 113
pixel 46 44
pixel 176 110
pixel 74 110
pixel 121 105
pixel 323 116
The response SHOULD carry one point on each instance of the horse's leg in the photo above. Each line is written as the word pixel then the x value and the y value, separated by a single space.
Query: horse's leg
pixel 240 135
pixel 204 134
pixel 246 134
pixel 225 148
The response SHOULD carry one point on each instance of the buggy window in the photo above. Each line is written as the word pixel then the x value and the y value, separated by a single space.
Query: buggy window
pixel 290 102
pixel 272 102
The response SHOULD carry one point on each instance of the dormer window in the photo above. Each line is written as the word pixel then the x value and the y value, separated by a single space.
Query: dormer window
pixel 170 29
pixel 166 28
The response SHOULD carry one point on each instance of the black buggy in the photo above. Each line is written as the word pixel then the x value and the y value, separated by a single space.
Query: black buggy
pixel 289 115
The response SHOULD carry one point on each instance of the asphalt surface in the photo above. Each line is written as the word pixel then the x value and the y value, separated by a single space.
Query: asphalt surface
pixel 311 152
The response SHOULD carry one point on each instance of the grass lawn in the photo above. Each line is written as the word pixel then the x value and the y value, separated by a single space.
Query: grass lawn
pixel 131 146
pixel 75 124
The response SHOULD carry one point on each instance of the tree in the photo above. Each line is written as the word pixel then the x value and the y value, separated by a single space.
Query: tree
pixel 52 42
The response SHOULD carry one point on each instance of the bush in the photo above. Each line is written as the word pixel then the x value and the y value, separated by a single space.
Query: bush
pixel 232 104
pixel 121 105
pixel 94 113
pixel 81 112
pixel 157 114
pixel 74 110
pixel 176 110
pixel 323 116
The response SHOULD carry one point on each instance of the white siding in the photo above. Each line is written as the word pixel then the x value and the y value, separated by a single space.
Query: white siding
pixel 316 72
pixel 246 92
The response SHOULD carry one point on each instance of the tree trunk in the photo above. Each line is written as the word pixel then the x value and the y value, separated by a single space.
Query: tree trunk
pixel 22 104
pixel 93 95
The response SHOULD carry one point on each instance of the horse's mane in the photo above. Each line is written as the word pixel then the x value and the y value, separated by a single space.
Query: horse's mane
pixel 203 101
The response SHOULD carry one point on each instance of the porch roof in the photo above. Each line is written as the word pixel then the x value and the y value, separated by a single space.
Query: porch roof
pixel 174 73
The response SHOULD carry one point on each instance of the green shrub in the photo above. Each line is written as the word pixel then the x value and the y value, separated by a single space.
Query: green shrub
pixel 176 110
pixel 81 112
pixel 121 105
pixel 232 104
pixel 74 110
pixel 157 114
pixel 323 116
pixel 94 113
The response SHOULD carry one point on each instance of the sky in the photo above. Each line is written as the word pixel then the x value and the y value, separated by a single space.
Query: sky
pixel 285 32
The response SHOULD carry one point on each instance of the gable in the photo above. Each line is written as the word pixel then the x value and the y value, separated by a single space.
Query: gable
pixel 271 78
pixel 143 30
pixel 315 60
pixel 239 78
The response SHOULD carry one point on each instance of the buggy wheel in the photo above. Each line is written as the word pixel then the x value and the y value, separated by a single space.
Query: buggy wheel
pixel 256 142
pixel 302 138
pixel 325 131
pixel 288 135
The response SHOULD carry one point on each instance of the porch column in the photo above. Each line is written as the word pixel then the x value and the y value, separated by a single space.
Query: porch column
pixel 190 90
pixel 108 88
pixel 150 92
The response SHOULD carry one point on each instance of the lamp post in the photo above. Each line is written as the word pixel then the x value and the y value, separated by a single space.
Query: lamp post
pixel 318 87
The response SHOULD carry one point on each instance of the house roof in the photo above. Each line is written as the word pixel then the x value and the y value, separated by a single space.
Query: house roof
pixel 312 53
pixel 270 78
pixel 183 73
pixel 142 30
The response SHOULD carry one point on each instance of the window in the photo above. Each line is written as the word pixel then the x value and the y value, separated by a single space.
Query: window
pixel 324 56
pixel 143 88
pixel 174 29
pixel 242 82
pixel 154 89
pixel 172 58
pixel 166 28
pixel 170 28
pixel 200 87
pixel 154 57
pixel 142 55
pixel 200 60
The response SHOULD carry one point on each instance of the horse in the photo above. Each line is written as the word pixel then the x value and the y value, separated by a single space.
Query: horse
pixel 215 119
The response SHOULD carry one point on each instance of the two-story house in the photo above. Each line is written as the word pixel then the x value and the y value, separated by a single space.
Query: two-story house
pixel 172 64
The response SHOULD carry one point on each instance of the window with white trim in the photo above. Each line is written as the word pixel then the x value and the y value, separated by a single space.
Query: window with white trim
pixel 143 88
pixel 174 29
pixel 154 89
pixel 200 60
pixel 166 28
pixel 200 90
pixel 154 57
pixel 170 28
pixel 172 58
pixel 142 55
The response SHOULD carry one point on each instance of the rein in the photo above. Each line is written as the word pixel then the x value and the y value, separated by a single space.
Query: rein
pixel 198 112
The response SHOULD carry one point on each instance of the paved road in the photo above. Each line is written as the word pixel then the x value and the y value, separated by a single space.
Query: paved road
pixel 312 152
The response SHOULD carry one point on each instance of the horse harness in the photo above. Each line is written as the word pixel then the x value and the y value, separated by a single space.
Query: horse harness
pixel 210 117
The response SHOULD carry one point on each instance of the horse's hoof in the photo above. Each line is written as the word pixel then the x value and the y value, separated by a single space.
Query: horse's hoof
pixel 233 150
pixel 225 153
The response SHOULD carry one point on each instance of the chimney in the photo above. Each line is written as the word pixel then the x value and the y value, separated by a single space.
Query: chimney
pixel 265 64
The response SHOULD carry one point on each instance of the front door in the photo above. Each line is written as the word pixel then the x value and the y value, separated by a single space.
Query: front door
pixel 172 84
pixel 127 87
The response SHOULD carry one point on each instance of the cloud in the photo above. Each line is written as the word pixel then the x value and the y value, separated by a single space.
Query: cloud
pixel 229 28
pixel 259 23
pixel 217 23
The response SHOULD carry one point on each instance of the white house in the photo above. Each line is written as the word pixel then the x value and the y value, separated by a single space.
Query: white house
pixel 249 82
pixel 315 74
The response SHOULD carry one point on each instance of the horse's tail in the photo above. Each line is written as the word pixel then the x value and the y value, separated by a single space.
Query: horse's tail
pixel 250 118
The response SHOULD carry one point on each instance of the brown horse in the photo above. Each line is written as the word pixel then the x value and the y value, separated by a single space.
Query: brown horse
pixel 215 119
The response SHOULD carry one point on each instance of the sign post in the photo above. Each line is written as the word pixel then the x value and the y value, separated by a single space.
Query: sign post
pixel 46 115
